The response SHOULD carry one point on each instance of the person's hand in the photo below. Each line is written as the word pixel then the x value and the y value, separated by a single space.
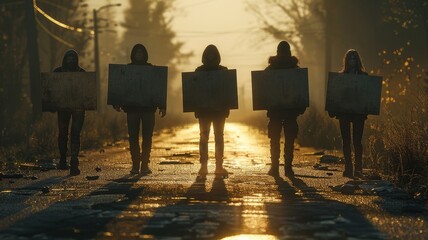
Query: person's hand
pixel 162 112
pixel 117 108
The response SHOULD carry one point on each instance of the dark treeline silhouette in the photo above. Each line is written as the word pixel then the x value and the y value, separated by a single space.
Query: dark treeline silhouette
pixel 146 21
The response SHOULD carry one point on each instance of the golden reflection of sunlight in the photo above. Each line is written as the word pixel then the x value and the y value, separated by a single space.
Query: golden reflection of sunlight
pixel 254 215
pixel 245 146
pixel 251 237
pixel 240 133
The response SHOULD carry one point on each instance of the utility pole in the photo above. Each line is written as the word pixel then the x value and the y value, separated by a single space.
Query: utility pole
pixel 97 62
pixel 328 44
pixel 33 60
pixel 100 104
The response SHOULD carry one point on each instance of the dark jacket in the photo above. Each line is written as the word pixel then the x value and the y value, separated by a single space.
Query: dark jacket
pixel 211 62
pixel 143 63
pixel 284 62
pixel 73 67
pixel 349 116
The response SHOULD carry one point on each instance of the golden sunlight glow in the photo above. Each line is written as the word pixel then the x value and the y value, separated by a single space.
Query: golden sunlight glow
pixel 240 133
pixel 251 237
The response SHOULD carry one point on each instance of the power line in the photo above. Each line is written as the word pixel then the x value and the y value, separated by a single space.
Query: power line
pixel 53 35
pixel 57 22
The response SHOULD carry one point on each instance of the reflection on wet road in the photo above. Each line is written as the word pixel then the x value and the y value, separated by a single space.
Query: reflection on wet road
pixel 172 203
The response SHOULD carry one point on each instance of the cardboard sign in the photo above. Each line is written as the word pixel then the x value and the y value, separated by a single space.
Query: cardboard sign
pixel 69 91
pixel 136 85
pixel 209 90
pixel 351 93
pixel 280 88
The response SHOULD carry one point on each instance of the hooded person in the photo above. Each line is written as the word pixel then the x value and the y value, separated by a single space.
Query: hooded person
pixel 70 63
pixel 283 118
pixel 211 62
pixel 144 116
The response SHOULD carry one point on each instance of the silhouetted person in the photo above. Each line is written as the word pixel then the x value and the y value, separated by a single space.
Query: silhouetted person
pixel 140 115
pixel 352 64
pixel 282 118
pixel 211 62
pixel 70 63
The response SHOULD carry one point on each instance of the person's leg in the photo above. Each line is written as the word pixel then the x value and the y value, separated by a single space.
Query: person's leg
pixel 133 120
pixel 358 129
pixel 218 125
pixel 147 132
pixel 274 134
pixel 63 124
pixel 78 117
pixel 290 130
pixel 204 133
pixel 345 130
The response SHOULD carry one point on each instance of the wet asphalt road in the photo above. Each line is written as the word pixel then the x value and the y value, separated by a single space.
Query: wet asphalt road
pixel 172 203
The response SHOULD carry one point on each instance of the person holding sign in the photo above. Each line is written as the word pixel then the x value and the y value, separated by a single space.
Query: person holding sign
pixel 283 118
pixel 352 64
pixel 211 62
pixel 70 63
pixel 138 115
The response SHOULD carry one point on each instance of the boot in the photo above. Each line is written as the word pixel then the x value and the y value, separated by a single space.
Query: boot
pixel 221 172
pixel 63 163
pixel 136 161
pixel 348 162
pixel 288 170
pixel 274 168
pixel 358 160
pixel 348 169
pixel 74 162
pixel 135 167
pixel 62 145
pixel 145 156
pixel 74 171
pixel 203 171
pixel 74 166
pixel 274 158
pixel 145 170
pixel 288 159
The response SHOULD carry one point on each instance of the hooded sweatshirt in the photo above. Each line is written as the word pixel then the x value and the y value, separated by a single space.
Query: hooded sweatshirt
pixel 143 62
pixel 211 62
pixel 73 67
pixel 284 60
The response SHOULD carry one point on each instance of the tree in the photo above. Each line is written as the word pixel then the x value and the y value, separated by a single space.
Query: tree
pixel 302 24
pixel 408 14
pixel 54 39
pixel 149 22
pixel 15 104
pixel 12 67
pixel 294 21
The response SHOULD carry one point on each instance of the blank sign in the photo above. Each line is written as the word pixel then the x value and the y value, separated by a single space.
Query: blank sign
pixel 69 91
pixel 280 89
pixel 209 90
pixel 135 85
pixel 352 93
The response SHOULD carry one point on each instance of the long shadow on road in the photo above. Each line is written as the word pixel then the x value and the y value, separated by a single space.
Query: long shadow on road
pixel 81 218
pixel 304 213
pixel 201 215
pixel 19 198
